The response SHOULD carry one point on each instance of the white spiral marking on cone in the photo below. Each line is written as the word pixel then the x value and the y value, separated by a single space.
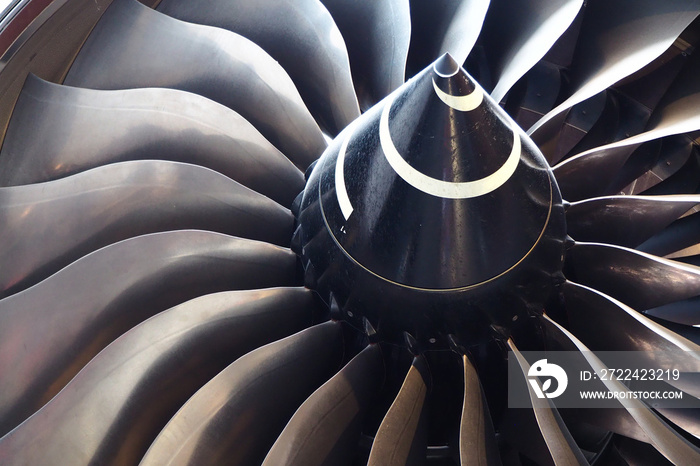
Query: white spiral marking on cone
pixel 463 103
pixel 341 191
pixel 440 188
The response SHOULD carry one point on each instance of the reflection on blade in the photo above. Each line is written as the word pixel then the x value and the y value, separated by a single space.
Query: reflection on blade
pixel 50 331
pixel 377 35
pixel 58 131
pixel 605 324
pixel 326 428
pixel 625 220
pixel 561 445
pixel 401 439
pixel 477 440
pixel 669 442
pixel 640 280
pixel 46 226
pixel 519 33
pixel 134 46
pixel 114 408
pixel 615 48
pixel 301 35
pixel 444 26
pixel 235 418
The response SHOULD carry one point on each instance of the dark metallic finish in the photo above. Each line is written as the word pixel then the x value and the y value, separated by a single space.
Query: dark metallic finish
pixel 640 280
pixel 402 438
pixel 684 312
pixel 518 33
pixel 682 234
pixel 301 35
pixel 443 26
pixel 422 215
pixel 236 417
pixel 615 48
pixel 114 408
pixel 46 226
pixel 477 439
pixel 562 448
pixel 673 153
pixel 662 436
pixel 133 46
pixel 326 428
pixel 605 324
pixel 377 35
pixel 50 331
pixel 58 131
pixel 625 220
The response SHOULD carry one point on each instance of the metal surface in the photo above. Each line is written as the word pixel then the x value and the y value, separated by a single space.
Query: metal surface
pixel 221 424
pixel 477 438
pixel 625 220
pixel 51 330
pixel 133 46
pixel 132 382
pixel 56 131
pixel 300 35
pixel 401 438
pixel 326 428
pixel 48 225
pixel 640 280
pixel 377 35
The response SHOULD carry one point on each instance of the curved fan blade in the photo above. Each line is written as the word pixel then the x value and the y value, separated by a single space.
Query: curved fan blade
pixel 677 240
pixel 477 439
pixel 129 391
pixel 686 312
pixel 50 331
pixel 107 204
pixel 561 446
pixel 605 324
pixel 669 442
pixel 326 428
pixel 625 220
pixel 401 438
pixel 134 46
pixel 301 35
pixel 641 281
pixel 235 418
pixel 56 131
pixel 444 26
pixel 377 35
pixel 519 33
pixel 616 49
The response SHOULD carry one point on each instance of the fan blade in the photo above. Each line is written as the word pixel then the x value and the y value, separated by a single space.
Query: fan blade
pixel 377 35
pixel 682 312
pixel 444 26
pixel 625 220
pixel 48 225
pixel 401 438
pixel 101 127
pixel 519 33
pixel 477 439
pixel 560 444
pixel 301 35
pixel 680 237
pixel 640 280
pixel 114 408
pixel 616 49
pixel 591 172
pixel 664 438
pixel 326 428
pixel 605 324
pixel 221 424
pixel 134 46
pixel 50 331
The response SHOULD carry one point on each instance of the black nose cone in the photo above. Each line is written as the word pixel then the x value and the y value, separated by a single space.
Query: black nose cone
pixel 433 190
